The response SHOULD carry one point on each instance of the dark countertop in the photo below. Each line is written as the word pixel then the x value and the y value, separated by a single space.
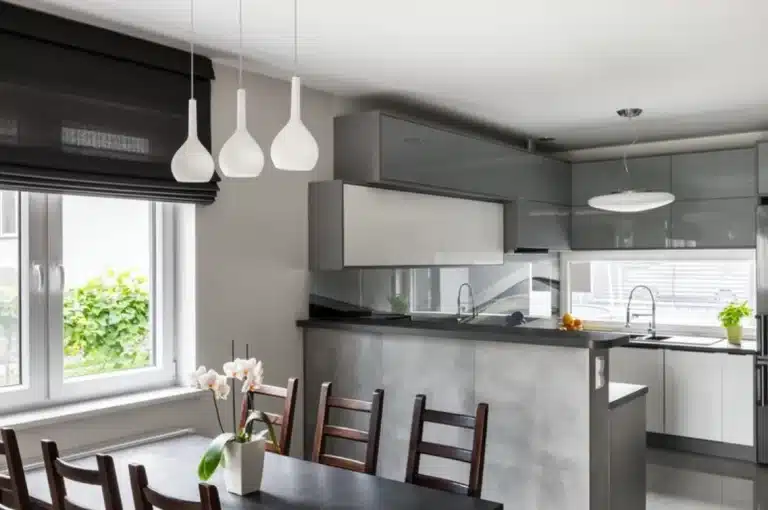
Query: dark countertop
pixel 747 346
pixel 538 332
pixel 622 393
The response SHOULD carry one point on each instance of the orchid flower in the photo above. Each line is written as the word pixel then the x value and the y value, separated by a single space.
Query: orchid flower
pixel 230 368
pixel 209 380
pixel 194 377
pixel 254 378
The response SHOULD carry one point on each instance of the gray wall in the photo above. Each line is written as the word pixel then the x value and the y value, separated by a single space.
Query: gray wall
pixel 251 254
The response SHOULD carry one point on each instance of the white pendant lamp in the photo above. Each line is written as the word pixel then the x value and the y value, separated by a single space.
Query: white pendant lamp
pixel 294 148
pixel 192 162
pixel 241 156
pixel 631 201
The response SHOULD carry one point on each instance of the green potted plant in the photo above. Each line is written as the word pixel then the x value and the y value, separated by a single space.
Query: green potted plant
pixel 730 317
pixel 398 303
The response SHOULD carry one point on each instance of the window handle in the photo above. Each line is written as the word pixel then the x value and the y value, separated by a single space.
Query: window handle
pixel 62 276
pixel 37 273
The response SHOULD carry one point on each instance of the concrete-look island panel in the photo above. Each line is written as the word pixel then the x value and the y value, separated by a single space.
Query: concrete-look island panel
pixel 549 438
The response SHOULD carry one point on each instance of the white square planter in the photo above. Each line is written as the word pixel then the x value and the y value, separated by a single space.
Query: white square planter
pixel 244 466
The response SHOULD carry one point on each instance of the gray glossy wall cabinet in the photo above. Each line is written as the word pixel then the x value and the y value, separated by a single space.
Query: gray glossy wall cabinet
pixel 762 168
pixel 602 177
pixel 714 174
pixel 725 223
pixel 536 225
pixel 377 147
pixel 593 229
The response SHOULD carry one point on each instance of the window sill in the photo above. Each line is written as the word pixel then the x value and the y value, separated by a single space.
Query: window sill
pixel 80 410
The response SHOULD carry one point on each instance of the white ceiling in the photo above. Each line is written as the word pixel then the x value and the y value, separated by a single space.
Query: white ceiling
pixel 536 67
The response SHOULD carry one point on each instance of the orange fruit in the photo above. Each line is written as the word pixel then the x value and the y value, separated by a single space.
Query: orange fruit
pixel 567 319
pixel 578 323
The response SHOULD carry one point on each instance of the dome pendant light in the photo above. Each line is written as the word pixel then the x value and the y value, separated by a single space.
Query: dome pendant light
pixel 192 162
pixel 294 148
pixel 630 201
pixel 241 156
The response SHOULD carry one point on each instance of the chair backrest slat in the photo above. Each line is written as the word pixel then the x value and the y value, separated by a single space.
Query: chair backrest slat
pixel 346 433
pixel 446 452
pixel 285 421
pixel 76 474
pixel 450 419
pixel 15 482
pixel 418 447
pixel 146 498
pixel 371 437
pixel 350 404
pixel 57 470
pixel 342 462
pixel 441 484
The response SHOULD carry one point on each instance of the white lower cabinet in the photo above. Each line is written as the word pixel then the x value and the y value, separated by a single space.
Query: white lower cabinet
pixel 646 367
pixel 693 397
pixel 738 392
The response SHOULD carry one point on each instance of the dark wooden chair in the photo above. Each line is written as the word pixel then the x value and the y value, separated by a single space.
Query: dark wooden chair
pixel 145 498
pixel 285 420
pixel 371 437
pixel 13 486
pixel 475 457
pixel 103 476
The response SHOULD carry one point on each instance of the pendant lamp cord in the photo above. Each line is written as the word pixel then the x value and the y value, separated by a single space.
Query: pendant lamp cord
pixel 295 37
pixel 637 137
pixel 240 57
pixel 192 49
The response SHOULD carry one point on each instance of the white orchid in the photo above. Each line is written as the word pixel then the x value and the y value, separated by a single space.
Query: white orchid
pixel 239 368
pixel 209 380
pixel 222 387
pixel 254 377
pixel 194 377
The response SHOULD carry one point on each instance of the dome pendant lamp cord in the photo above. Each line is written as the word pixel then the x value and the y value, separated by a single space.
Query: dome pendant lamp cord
pixel 634 141
pixel 192 49
pixel 240 56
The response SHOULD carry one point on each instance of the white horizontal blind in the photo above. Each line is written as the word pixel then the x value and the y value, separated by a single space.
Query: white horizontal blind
pixel 689 291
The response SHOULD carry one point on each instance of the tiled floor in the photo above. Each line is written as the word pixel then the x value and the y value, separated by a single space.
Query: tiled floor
pixel 679 481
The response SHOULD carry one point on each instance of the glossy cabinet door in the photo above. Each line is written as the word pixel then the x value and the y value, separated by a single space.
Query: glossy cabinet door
pixel 692 392
pixel 714 174
pixel 550 182
pixel 536 225
pixel 738 393
pixel 593 229
pixel 602 177
pixel 388 228
pixel 762 168
pixel 425 155
pixel 642 366
pixel 725 223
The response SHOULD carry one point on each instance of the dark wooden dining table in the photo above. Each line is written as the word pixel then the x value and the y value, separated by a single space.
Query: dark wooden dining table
pixel 288 483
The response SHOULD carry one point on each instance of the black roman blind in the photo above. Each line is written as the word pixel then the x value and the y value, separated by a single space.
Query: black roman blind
pixel 85 110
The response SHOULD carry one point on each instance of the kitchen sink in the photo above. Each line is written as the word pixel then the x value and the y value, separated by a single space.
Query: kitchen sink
pixel 649 337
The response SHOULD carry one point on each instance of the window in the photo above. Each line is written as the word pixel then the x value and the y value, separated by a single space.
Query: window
pixel 9 213
pixel 84 287
pixel 690 287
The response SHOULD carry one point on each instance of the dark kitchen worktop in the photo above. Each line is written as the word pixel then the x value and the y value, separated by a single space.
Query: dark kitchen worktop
pixel 622 393
pixel 747 346
pixel 538 332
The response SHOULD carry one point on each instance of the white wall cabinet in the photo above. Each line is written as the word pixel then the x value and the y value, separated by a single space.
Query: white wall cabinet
pixel 646 367
pixel 738 394
pixel 692 392
pixel 359 226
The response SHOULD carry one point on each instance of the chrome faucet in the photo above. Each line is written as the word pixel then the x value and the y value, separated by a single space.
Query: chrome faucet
pixel 459 316
pixel 652 325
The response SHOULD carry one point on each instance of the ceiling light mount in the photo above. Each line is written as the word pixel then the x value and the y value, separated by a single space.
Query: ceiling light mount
pixel 629 113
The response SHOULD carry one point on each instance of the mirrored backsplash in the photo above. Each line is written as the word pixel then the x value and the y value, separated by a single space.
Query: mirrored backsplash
pixel 526 285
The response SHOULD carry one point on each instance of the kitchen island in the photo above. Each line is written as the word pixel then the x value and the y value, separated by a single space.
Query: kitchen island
pixel 549 440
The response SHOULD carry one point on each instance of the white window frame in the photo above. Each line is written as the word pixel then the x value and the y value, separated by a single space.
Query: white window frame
pixel 641 326
pixel 3 233
pixel 41 321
